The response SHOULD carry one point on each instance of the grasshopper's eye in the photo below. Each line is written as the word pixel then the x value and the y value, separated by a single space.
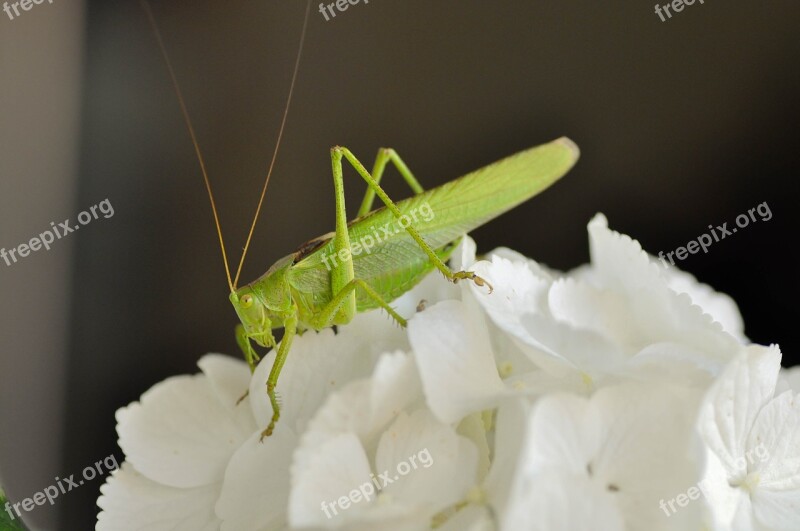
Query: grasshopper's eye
pixel 247 301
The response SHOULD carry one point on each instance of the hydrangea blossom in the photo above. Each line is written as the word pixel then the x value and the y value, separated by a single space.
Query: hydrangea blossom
pixel 753 442
pixel 619 395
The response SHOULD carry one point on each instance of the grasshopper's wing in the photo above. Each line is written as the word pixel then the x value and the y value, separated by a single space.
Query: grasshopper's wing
pixel 394 262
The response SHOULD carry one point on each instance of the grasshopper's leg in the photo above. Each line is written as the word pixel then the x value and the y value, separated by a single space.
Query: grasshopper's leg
pixel 249 352
pixel 342 273
pixel 326 317
pixel 344 242
pixel 290 329
pixel 384 156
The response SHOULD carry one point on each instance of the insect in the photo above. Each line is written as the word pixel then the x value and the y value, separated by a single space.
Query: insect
pixel 329 279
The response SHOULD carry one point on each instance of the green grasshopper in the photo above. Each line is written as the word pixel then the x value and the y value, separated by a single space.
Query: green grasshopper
pixel 327 280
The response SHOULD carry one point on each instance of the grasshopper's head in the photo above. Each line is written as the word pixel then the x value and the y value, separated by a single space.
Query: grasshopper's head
pixel 254 315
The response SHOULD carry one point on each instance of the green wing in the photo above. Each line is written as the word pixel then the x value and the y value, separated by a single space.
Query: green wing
pixel 395 263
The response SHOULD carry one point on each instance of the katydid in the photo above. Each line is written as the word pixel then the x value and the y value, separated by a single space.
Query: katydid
pixel 329 279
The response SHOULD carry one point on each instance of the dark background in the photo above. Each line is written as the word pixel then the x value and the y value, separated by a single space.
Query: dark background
pixel 681 124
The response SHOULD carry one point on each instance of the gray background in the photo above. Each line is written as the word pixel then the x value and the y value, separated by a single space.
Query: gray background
pixel 682 124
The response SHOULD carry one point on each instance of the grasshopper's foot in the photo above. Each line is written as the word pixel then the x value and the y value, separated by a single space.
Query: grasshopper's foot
pixel 469 275
pixel 267 432
pixel 270 428
pixel 276 411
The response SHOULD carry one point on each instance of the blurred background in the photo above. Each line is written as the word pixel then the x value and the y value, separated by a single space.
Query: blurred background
pixel 682 124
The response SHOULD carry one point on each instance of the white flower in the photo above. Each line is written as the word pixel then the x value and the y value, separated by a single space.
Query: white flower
pixel 602 398
pixel 178 442
pixel 620 453
pixel 187 438
pixel 788 379
pixel 618 317
pixel 753 438
pixel 255 495
pixel 452 348
pixel 349 468
pixel 721 307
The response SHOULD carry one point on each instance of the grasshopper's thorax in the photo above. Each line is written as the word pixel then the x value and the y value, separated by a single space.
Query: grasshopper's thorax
pixel 265 303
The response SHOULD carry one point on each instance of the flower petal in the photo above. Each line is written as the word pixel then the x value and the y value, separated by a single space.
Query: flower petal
pixel 720 306
pixel 646 428
pixel 229 377
pixel 181 434
pixel 455 360
pixel 429 464
pixel 548 501
pixel 789 379
pixel 555 437
pixel 611 439
pixel 311 373
pixel 129 500
pixel 510 425
pixel 395 386
pixel 734 401
pixel 776 510
pixel 470 518
pixel 773 445
pixel 255 492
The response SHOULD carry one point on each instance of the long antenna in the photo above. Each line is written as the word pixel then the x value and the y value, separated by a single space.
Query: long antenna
pixel 177 87
pixel 277 144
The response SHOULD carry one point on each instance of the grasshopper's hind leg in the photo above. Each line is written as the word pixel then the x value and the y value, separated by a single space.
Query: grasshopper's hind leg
pixel 342 237
pixel 343 306
pixel 384 156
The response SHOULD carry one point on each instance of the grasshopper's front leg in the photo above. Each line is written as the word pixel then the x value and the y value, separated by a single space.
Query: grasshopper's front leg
pixel 250 354
pixel 252 357
pixel 290 330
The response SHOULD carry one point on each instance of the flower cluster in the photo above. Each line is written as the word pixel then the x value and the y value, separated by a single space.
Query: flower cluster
pixel 618 396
